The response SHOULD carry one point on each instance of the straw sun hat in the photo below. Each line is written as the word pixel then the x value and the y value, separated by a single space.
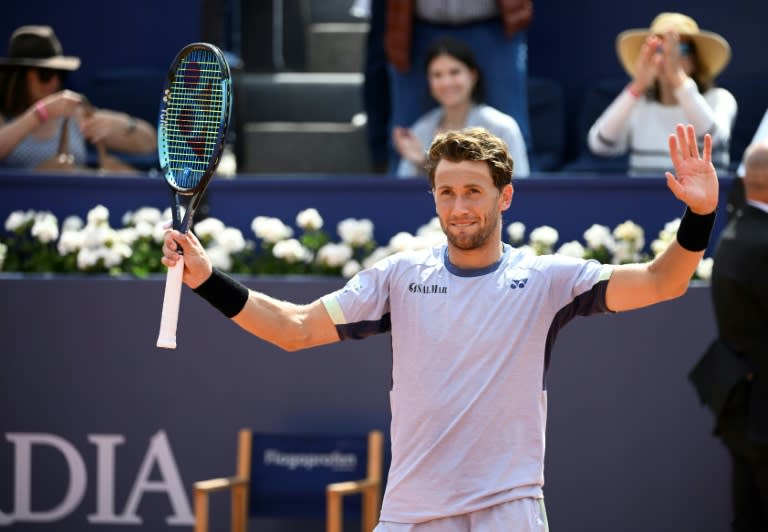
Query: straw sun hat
pixel 37 46
pixel 712 51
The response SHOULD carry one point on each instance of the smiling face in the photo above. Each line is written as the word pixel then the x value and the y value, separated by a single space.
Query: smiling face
pixel 450 81
pixel 469 206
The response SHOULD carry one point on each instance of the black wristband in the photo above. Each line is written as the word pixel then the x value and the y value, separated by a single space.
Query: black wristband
pixel 224 293
pixel 695 229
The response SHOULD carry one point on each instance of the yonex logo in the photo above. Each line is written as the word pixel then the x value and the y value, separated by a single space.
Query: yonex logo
pixel 518 283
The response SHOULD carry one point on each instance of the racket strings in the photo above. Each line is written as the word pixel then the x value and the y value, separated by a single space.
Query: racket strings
pixel 195 107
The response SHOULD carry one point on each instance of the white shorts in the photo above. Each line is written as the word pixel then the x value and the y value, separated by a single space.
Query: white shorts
pixel 521 515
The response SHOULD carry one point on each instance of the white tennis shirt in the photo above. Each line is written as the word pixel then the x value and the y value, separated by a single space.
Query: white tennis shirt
pixel 470 353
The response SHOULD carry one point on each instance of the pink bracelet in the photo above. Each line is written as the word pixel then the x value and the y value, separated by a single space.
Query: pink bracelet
pixel 41 111
pixel 632 91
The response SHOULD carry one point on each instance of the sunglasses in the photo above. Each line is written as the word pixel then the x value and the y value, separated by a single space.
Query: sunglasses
pixel 685 48
pixel 46 74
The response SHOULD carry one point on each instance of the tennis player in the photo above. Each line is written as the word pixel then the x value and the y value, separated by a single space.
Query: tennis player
pixel 473 323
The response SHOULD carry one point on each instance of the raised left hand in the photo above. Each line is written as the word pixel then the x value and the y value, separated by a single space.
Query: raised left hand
pixel 695 179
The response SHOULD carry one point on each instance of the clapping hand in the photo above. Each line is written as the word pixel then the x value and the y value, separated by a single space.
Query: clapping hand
pixel 647 64
pixel 670 68
pixel 408 146
pixel 695 180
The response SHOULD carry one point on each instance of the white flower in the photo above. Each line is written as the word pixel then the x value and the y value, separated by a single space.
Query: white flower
pixel 209 228
pixel 220 257
pixel 527 249
pixel 149 215
pixel 291 251
pixel 309 220
pixel 334 255
pixel 70 241
pixel 545 235
pixel 672 226
pixel 704 269
pixel 430 239
pixel 624 253
pixel 355 232
pixel 45 228
pixel 114 255
pixel 72 223
pixel 98 215
pixel 631 232
pixel 598 236
pixel 4 251
pixel 97 236
pixel 402 241
pixel 87 257
pixel 516 232
pixel 270 230
pixel 347 271
pixel 127 235
pixel 144 229
pixel 17 219
pixel 158 232
pixel 378 254
pixel 433 226
pixel 231 239
pixel 572 249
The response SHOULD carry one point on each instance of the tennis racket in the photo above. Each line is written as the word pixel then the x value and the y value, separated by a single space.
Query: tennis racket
pixel 193 122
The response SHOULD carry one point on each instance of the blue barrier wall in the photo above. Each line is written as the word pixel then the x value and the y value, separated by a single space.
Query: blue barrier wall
pixel 117 430
pixel 571 204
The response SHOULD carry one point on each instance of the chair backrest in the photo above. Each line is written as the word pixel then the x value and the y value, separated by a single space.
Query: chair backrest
pixel 597 98
pixel 289 472
pixel 546 110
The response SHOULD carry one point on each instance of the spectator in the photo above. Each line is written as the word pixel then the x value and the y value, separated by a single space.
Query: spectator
pixel 673 65
pixel 735 368
pixel 34 105
pixel 494 31
pixel 376 98
pixel 456 83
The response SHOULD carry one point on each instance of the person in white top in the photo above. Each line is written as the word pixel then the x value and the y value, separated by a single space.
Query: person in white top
pixel 456 83
pixel 673 65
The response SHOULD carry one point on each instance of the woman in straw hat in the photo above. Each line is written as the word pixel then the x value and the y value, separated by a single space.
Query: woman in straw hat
pixel 673 65
pixel 33 105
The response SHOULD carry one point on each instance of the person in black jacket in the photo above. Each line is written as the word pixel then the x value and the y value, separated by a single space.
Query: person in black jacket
pixel 740 295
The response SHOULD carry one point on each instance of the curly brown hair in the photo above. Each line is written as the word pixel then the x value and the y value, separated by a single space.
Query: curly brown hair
pixel 471 144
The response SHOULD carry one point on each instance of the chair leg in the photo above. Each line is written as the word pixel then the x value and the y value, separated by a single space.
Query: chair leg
pixel 239 505
pixel 333 519
pixel 370 510
pixel 201 511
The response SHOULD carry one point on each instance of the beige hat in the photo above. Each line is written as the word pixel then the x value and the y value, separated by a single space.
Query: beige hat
pixel 38 46
pixel 712 51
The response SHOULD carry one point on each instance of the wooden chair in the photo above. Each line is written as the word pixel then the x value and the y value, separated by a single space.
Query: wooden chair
pixel 280 475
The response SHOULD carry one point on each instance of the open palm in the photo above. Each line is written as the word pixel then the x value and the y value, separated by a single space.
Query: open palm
pixel 695 180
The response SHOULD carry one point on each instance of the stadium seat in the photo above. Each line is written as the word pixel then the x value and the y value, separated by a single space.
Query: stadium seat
pixel 596 99
pixel 296 476
pixel 546 110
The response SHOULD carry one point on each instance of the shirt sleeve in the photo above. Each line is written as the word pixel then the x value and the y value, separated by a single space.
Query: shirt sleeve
pixel 609 135
pixel 361 308
pixel 712 112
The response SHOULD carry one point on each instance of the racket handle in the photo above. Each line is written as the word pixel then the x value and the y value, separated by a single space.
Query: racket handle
pixel 170 314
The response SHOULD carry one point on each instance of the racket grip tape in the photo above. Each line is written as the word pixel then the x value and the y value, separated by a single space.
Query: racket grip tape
pixel 224 293
pixel 169 317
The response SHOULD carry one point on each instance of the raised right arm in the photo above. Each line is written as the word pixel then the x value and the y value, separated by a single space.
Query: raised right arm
pixel 282 323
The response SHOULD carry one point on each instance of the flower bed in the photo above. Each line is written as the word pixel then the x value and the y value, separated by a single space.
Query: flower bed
pixel 34 241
